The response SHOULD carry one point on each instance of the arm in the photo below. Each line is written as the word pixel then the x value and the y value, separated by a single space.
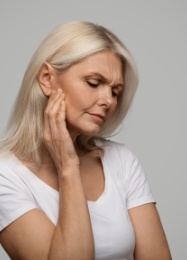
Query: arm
pixel 33 236
pixel 151 241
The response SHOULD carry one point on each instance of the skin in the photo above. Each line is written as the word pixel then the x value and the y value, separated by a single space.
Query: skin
pixel 80 101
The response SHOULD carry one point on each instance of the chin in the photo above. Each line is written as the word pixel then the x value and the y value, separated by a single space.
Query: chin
pixel 86 129
pixel 92 131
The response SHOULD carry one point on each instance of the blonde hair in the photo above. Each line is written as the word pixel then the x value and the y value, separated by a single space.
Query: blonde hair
pixel 64 46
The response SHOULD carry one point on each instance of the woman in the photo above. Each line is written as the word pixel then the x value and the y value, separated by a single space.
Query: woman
pixel 66 192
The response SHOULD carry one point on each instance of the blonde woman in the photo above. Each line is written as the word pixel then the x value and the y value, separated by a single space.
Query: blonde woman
pixel 67 192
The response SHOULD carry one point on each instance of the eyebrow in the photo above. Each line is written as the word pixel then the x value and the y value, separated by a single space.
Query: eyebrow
pixel 104 79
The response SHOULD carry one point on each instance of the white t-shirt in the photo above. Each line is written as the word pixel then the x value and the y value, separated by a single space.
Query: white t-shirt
pixel 126 187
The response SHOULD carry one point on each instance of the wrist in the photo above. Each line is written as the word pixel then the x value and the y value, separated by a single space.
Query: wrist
pixel 69 170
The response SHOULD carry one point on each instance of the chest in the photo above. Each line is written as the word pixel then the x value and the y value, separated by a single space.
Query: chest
pixel 91 172
pixel 111 225
pixel 92 176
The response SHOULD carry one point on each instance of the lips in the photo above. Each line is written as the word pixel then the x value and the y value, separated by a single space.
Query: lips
pixel 98 116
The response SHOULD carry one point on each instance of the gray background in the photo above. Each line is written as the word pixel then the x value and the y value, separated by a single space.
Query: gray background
pixel 155 129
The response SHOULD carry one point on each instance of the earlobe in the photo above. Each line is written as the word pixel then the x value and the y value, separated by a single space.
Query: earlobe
pixel 45 78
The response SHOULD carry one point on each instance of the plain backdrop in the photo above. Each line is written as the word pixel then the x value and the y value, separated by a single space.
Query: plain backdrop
pixel 155 128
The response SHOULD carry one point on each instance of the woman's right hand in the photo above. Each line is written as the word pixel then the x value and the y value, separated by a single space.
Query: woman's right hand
pixel 73 228
pixel 55 135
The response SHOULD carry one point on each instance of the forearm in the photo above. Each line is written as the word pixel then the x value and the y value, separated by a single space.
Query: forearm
pixel 73 237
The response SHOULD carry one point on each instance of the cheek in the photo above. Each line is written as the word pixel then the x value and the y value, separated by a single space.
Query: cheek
pixel 114 107
pixel 74 102
pixel 74 107
pixel 78 99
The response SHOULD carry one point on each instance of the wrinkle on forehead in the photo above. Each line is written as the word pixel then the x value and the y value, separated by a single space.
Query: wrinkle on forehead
pixel 108 64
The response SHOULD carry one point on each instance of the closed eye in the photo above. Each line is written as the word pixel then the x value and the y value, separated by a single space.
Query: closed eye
pixel 93 84
pixel 116 91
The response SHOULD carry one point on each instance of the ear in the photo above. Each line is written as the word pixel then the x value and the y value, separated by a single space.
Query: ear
pixel 46 78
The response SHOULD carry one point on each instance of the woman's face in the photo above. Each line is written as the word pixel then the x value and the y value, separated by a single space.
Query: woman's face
pixel 91 87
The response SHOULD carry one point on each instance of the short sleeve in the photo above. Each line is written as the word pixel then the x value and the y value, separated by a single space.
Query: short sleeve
pixel 138 191
pixel 128 174
pixel 15 199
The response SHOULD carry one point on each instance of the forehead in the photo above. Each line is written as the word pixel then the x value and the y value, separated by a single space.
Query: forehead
pixel 106 63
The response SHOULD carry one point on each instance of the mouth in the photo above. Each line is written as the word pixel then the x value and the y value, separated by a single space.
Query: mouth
pixel 98 117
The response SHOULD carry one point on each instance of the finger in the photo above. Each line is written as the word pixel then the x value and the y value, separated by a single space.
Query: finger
pixel 61 115
pixel 50 114
pixel 47 113
pixel 56 117
pixel 52 99
pixel 59 142
pixel 64 133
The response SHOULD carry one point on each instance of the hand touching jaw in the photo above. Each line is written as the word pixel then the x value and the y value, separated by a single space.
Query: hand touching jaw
pixel 91 89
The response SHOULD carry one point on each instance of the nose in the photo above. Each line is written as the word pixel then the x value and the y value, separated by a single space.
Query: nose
pixel 105 97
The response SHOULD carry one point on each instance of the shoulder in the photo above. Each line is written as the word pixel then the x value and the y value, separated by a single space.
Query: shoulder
pixel 123 161
pixel 116 150
pixel 11 170
pixel 8 163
